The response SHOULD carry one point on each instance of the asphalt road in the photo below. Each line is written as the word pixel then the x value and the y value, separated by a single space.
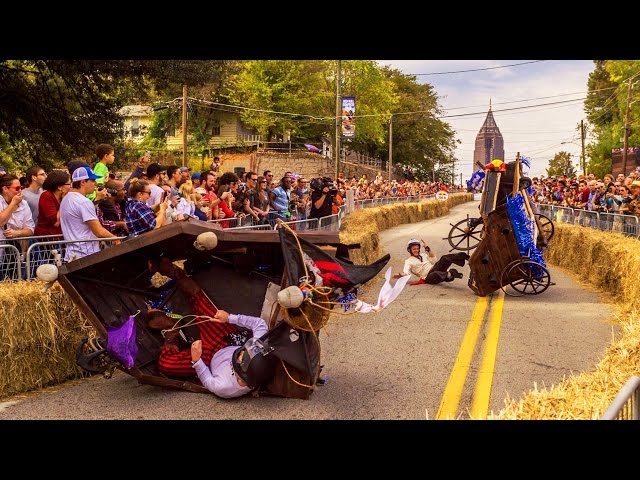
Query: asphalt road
pixel 401 363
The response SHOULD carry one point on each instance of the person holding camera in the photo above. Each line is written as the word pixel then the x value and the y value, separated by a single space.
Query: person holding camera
pixel 323 192
pixel 110 210
pixel 139 216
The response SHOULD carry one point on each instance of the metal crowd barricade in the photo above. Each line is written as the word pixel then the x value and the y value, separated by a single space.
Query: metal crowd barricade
pixel 587 218
pixel 614 222
pixel 232 222
pixel 264 226
pixel 544 209
pixel 40 253
pixel 626 405
pixel 562 214
pixel 10 262
pixel 301 225
pixel 331 222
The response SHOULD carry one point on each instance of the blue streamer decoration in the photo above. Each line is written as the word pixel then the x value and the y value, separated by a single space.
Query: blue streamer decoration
pixel 523 229
pixel 525 161
pixel 530 191
pixel 476 179
pixel 348 300
pixel 156 304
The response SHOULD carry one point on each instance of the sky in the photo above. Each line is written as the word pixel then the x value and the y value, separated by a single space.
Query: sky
pixel 536 132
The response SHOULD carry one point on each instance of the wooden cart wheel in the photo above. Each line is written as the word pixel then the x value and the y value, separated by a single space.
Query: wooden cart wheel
pixel 525 277
pixel 466 234
pixel 546 226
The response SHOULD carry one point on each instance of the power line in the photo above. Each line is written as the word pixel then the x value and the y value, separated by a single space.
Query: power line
pixel 511 109
pixel 478 69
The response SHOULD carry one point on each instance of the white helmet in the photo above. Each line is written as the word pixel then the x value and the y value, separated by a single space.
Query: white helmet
pixel 413 241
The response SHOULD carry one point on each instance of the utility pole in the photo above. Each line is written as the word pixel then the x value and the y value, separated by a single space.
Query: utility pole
pixel 336 154
pixel 460 178
pixel 390 145
pixel 626 132
pixel 453 171
pixel 184 125
pixel 582 157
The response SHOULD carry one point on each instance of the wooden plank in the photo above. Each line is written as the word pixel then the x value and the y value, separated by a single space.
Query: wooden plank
pixel 82 305
pixel 516 177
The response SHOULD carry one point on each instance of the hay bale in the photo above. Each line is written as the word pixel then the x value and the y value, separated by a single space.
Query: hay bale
pixel 39 332
pixel 614 264
pixel 613 259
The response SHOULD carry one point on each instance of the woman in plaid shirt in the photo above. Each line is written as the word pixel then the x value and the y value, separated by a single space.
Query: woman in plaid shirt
pixel 139 217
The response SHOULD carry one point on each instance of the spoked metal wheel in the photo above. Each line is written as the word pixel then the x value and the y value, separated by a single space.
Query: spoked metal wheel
pixel 466 234
pixel 525 277
pixel 546 226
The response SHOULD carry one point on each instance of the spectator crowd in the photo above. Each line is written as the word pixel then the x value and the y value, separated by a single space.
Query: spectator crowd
pixel 87 204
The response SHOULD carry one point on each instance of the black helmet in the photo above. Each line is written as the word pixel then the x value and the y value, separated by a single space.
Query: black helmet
pixel 257 367
pixel 413 241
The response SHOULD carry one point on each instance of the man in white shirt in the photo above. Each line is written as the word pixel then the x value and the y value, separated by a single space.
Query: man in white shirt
pixel 35 178
pixel 431 271
pixel 227 363
pixel 78 218
pixel 155 174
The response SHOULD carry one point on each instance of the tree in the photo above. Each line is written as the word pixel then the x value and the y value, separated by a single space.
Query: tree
pixel 606 106
pixel 57 110
pixel 561 165
pixel 420 139
pixel 308 88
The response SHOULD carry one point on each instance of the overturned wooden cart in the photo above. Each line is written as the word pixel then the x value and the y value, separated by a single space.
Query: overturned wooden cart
pixel 507 237
pixel 243 274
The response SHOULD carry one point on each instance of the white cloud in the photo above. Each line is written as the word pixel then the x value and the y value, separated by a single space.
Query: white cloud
pixel 538 132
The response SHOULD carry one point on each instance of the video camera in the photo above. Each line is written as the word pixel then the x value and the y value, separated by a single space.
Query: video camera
pixel 319 183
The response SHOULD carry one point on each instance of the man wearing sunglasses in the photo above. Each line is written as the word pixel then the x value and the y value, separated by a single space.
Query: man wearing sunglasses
pixel 15 221
pixel 15 215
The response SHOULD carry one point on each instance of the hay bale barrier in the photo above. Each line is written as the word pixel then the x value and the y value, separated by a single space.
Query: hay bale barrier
pixel 614 269
pixel 39 333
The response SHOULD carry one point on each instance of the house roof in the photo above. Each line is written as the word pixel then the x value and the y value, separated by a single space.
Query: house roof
pixel 136 111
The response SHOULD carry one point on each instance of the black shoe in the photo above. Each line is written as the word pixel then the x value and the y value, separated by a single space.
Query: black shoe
pixel 455 273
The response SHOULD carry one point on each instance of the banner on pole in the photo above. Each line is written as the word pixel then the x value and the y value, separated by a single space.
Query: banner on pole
pixel 348 111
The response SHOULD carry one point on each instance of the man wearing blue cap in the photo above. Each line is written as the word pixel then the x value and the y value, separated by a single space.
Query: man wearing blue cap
pixel 78 218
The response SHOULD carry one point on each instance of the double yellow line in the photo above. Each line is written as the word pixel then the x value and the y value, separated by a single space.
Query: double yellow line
pixel 482 391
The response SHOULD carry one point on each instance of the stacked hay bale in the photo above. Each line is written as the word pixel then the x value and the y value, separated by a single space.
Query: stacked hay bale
pixel 39 332
pixel 614 269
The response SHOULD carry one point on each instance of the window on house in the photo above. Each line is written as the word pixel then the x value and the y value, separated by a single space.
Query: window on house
pixel 135 127
pixel 171 131
pixel 215 128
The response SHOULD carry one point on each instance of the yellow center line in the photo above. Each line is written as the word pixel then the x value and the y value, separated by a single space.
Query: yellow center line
pixel 453 391
pixel 482 391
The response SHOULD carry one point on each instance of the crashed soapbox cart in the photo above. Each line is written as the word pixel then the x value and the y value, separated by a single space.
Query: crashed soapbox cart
pixel 242 274
pixel 507 238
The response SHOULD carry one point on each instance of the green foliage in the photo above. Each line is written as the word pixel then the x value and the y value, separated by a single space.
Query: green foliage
pixel 561 164
pixel 420 139
pixel 55 110
pixel 606 108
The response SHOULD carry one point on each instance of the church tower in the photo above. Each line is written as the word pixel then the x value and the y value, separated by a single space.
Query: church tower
pixel 489 143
